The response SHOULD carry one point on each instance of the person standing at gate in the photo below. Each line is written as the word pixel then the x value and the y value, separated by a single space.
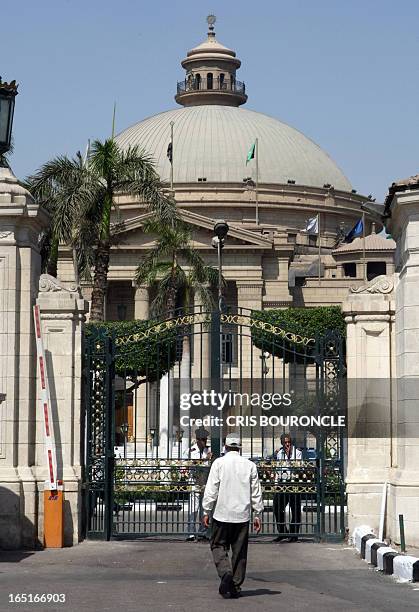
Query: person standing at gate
pixel 232 491
pixel 287 454
pixel 198 450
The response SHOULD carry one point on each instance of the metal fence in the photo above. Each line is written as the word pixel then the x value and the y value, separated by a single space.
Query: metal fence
pixel 141 477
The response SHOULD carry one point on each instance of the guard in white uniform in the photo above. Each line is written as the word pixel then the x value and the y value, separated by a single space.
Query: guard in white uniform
pixel 289 454
pixel 198 450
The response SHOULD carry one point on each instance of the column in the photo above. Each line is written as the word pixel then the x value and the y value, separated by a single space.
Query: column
pixel 63 312
pixel 21 222
pixel 141 302
pixel 369 313
pixel 249 297
pixel 404 483
pixel 141 311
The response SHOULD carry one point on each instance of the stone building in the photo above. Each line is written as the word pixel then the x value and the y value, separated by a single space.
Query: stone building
pixel 269 260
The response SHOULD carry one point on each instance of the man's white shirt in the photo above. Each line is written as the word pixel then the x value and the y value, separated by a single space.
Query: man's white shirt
pixel 281 455
pixel 295 455
pixel 233 489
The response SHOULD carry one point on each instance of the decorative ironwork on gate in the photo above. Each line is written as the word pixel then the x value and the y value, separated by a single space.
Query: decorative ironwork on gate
pixel 144 473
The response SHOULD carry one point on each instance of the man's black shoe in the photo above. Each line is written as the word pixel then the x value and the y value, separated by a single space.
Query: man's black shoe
pixel 293 539
pixel 280 538
pixel 235 591
pixel 226 585
pixel 190 538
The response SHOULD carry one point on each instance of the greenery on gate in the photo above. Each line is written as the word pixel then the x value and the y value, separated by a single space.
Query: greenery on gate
pixel 303 322
pixel 138 360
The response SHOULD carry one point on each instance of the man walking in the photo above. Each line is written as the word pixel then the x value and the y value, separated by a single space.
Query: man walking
pixel 232 491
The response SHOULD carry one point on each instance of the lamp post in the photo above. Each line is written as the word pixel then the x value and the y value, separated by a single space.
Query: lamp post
pixel 221 230
pixel 8 92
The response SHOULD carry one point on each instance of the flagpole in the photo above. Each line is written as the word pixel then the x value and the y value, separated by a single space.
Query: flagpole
pixel 257 180
pixel 171 163
pixel 320 252
pixel 363 246
pixel 113 120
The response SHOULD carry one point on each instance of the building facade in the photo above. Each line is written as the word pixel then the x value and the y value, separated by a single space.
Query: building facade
pixel 269 260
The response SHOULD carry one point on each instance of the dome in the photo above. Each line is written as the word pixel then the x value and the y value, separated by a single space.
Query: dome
pixel 212 142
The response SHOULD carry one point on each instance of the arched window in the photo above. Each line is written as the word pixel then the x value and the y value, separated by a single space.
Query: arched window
pixel 198 81
pixel 222 76
pixel 209 80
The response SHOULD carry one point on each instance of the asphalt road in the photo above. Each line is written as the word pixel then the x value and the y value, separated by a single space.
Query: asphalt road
pixel 180 576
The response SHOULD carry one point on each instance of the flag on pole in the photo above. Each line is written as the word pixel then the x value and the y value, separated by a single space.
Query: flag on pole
pixel 357 230
pixel 312 225
pixel 251 153
pixel 170 152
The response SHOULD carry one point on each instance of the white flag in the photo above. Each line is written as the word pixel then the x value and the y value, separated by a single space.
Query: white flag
pixel 312 225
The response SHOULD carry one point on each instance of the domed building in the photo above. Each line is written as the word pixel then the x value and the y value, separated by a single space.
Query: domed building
pixel 265 178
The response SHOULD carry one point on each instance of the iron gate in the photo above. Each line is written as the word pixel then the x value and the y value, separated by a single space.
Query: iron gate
pixel 148 390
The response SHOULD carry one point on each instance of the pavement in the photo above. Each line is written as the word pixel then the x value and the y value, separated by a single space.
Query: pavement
pixel 179 576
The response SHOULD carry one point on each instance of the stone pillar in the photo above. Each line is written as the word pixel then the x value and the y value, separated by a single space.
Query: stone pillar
pixel 21 222
pixel 63 311
pixel 369 314
pixel 141 311
pixel 404 485
pixel 249 297
pixel 141 302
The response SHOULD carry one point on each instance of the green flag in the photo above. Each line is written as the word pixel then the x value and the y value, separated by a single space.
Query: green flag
pixel 251 153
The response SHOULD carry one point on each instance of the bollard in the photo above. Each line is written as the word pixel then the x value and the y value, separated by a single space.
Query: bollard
pixel 53 517
pixel 402 539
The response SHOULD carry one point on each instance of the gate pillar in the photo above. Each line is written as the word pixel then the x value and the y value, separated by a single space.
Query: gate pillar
pixel 369 313
pixel 21 222
pixel 62 318
pixel 403 206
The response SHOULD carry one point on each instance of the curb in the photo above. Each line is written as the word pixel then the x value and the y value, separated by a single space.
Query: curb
pixel 377 553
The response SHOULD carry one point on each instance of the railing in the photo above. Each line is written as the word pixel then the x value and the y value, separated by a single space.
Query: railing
pixel 216 85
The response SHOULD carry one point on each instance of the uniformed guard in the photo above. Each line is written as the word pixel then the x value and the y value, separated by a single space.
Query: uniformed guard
pixel 198 450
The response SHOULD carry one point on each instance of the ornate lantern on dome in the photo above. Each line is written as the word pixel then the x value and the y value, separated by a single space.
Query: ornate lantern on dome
pixel 8 92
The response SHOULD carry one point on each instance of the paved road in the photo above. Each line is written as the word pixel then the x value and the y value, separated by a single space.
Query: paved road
pixel 180 576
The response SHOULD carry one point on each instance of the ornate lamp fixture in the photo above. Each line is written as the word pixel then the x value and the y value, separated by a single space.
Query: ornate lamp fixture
pixel 8 92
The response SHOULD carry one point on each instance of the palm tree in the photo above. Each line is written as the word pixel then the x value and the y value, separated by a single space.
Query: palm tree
pixel 162 267
pixel 80 194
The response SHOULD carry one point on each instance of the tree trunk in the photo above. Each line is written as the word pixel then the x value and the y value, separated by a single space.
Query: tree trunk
pixel 53 258
pixel 76 268
pixel 100 282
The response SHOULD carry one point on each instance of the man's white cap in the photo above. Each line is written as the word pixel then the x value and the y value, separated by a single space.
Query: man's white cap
pixel 233 439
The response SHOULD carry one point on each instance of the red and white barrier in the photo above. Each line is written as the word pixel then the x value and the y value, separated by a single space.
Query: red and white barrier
pixel 45 405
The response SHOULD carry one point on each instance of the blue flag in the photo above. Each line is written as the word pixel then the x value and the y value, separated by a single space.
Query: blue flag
pixel 357 230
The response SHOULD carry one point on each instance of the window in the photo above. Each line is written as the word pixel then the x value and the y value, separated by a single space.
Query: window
pixel 292 238
pixel 209 80
pixel 350 270
pixel 198 81
pixel 375 268
pixel 222 76
pixel 312 240
pixel 227 348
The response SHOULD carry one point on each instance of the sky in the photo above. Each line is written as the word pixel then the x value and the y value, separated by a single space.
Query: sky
pixel 344 73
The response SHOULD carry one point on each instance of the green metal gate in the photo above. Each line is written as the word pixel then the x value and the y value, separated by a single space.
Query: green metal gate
pixel 146 393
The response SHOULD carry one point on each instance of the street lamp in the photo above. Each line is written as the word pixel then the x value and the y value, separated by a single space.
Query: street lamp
pixel 8 92
pixel 221 230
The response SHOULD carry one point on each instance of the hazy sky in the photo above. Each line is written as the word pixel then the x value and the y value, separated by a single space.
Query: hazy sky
pixel 343 72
